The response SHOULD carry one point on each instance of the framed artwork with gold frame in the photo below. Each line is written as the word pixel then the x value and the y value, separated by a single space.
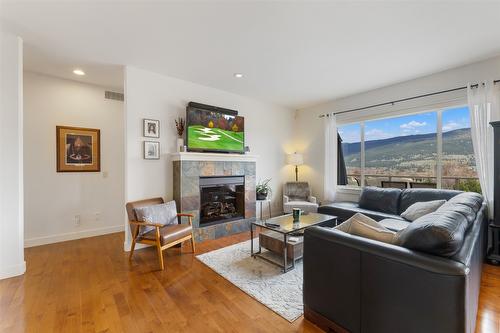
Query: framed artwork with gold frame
pixel 78 149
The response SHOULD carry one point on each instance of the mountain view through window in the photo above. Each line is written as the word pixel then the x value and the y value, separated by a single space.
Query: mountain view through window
pixel 403 151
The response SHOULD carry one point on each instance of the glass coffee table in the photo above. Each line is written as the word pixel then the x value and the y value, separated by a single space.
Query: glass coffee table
pixel 276 232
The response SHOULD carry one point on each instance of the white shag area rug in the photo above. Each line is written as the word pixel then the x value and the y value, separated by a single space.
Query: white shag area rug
pixel 281 292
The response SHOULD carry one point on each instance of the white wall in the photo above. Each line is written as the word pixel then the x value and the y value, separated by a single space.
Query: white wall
pixel 310 131
pixel 11 156
pixel 268 132
pixel 52 199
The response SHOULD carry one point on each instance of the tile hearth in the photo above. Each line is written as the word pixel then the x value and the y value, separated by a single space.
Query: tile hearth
pixel 187 170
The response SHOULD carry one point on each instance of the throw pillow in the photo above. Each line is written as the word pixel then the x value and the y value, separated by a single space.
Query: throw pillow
pixel 165 213
pixel 420 209
pixel 364 226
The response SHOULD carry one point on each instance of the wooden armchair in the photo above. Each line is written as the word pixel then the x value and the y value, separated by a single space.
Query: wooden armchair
pixel 160 235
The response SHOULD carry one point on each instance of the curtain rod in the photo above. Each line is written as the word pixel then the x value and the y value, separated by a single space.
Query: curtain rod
pixel 404 99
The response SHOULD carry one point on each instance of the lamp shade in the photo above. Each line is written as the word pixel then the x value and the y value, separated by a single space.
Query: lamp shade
pixel 294 159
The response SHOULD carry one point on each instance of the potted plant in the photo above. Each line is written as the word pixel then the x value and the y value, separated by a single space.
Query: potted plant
pixel 179 125
pixel 263 189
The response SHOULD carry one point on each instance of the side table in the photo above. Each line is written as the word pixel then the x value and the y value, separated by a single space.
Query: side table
pixel 261 202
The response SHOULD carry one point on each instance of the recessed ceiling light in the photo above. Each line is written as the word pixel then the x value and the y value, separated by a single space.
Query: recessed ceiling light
pixel 78 72
pixel 238 75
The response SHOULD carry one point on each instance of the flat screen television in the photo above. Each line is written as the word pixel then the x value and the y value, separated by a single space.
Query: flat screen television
pixel 214 129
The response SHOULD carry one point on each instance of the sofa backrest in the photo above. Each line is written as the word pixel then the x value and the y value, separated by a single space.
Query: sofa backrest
pixel 384 200
pixel 410 196
pixel 443 232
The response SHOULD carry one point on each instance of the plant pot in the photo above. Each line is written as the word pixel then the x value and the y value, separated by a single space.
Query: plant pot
pixel 261 195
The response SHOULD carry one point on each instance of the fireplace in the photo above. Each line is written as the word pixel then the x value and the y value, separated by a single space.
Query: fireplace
pixel 222 199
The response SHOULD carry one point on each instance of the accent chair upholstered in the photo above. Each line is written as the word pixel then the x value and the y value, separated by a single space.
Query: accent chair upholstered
pixel 154 222
pixel 298 195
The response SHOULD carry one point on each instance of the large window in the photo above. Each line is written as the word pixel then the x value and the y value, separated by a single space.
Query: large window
pixel 426 150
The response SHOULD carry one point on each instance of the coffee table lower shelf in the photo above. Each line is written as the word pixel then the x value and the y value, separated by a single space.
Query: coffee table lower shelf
pixel 273 242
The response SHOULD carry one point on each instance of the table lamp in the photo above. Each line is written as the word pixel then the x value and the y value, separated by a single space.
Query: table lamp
pixel 295 159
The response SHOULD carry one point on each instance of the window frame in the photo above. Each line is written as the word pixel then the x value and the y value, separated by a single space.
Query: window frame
pixel 437 108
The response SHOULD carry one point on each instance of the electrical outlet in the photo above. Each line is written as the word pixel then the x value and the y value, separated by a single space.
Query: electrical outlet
pixel 97 216
pixel 78 220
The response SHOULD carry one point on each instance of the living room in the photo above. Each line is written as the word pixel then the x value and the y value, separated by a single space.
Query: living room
pixel 287 167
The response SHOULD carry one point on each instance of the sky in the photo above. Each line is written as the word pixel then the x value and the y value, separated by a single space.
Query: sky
pixel 422 123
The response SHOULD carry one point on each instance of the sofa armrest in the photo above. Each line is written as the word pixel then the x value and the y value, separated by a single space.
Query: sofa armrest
pixel 312 199
pixel 286 199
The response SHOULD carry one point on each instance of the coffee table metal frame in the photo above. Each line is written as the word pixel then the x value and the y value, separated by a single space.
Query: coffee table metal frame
pixel 285 234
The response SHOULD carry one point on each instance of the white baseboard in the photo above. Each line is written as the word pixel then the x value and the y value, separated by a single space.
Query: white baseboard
pixel 72 235
pixel 12 271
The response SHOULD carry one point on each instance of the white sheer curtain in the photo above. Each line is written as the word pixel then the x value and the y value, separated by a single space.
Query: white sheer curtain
pixel 330 180
pixel 483 106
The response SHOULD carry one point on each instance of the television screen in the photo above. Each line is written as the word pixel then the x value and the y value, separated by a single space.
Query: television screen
pixel 214 130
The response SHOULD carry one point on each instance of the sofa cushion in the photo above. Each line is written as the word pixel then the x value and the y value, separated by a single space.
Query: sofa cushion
pixel 471 199
pixel 344 210
pixel 468 204
pixel 411 196
pixel 419 209
pixel 385 200
pixel 364 226
pixel 394 224
pixel 440 233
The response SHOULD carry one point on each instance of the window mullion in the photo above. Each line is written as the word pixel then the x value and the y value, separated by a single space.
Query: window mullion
pixel 362 125
pixel 439 143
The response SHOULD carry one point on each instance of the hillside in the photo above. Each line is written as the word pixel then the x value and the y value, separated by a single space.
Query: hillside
pixel 417 150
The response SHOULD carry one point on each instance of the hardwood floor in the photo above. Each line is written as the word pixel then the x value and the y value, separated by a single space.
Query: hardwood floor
pixel 89 285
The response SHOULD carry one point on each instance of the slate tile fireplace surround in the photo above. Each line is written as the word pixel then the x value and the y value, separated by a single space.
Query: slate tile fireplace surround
pixel 218 189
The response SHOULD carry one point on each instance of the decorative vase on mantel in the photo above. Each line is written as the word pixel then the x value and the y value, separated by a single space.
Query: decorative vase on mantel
pixel 180 145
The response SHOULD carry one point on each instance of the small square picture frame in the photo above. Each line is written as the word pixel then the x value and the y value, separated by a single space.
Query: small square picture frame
pixel 151 128
pixel 151 150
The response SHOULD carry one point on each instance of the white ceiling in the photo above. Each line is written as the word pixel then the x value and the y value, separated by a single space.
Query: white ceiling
pixel 293 54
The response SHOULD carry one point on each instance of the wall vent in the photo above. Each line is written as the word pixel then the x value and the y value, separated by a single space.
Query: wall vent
pixel 113 95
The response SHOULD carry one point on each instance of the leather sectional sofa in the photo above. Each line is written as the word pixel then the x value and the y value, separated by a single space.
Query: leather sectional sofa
pixel 428 283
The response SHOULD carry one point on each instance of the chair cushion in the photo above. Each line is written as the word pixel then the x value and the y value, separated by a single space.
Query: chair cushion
pixel 440 233
pixel 169 233
pixel 344 210
pixel 419 209
pixel 394 224
pixel 164 214
pixel 385 200
pixel 304 205
pixel 411 196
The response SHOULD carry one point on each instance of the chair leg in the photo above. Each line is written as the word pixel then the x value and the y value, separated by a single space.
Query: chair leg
pixel 192 243
pixel 160 256
pixel 132 248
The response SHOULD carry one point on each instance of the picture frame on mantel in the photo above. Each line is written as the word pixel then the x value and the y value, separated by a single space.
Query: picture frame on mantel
pixel 78 149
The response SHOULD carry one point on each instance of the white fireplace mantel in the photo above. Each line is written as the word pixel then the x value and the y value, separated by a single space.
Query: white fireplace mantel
pixel 192 156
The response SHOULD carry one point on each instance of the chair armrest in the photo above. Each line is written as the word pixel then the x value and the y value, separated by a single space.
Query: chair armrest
pixel 186 215
pixel 286 199
pixel 312 199
pixel 189 216
pixel 146 224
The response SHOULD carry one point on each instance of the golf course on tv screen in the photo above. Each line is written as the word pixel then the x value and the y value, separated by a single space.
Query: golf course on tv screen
pixel 215 131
